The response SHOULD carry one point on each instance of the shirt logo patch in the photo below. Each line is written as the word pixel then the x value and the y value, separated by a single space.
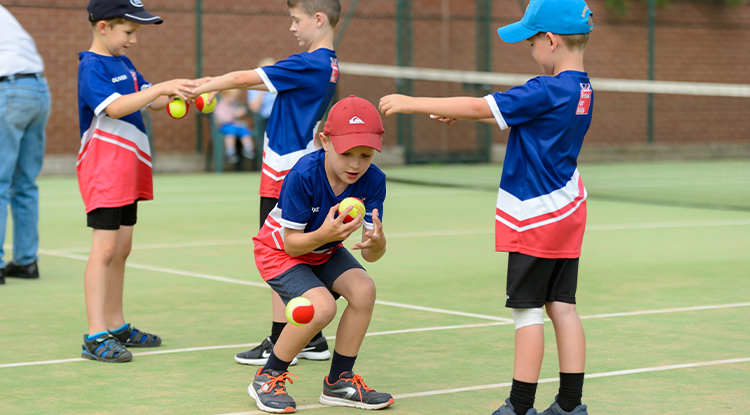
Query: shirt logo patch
pixel 356 120
pixel 584 103
pixel 334 70
pixel 136 3
pixel 316 209
pixel 119 78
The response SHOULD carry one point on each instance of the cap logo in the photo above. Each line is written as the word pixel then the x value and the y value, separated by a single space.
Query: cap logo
pixel 585 9
pixel 356 120
pixel 136 3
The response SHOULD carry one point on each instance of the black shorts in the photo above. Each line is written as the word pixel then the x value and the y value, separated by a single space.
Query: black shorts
pixel 113 218
pixel 302 277
pixel 266 206
pixel 533 281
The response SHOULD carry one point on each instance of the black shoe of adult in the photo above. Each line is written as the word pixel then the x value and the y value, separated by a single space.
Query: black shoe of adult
pixel 28 272
pixel 2 276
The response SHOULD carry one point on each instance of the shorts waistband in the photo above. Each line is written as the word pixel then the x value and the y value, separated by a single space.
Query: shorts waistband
pixel 19 76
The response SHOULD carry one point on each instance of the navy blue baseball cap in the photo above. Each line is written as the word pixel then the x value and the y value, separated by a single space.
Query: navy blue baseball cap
pixel 561 17
pixel 127 9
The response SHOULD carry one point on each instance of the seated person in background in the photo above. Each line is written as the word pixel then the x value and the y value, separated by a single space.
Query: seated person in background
pixel 227 118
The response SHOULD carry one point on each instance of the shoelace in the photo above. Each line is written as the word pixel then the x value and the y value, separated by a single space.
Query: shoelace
pixel 277 383
pixel 360 383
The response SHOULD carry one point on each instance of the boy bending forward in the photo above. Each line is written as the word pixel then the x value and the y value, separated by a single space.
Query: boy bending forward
pixel 541 204
pixel 298 251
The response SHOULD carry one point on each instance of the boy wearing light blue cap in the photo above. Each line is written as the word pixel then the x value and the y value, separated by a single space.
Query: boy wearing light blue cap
pixel 541 205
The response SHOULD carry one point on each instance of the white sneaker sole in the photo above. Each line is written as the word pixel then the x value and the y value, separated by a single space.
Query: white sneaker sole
pixel 254 395
pixel 331 401
pixel 324 355
pixel 258 362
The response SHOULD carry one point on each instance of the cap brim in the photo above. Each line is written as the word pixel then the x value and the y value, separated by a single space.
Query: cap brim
pixel 344 143
pixel 143 17
pixel 515 32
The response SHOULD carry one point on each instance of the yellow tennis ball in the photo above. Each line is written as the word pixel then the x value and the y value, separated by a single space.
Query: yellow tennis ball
pixel 203 105
pixel 358 209
pixel 177 108
pixel 299 311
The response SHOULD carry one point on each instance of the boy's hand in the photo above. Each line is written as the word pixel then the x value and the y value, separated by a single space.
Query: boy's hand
pixel 335 229
pixel 444 120
pixel 395 104
pixel 375 237
pixel 183 88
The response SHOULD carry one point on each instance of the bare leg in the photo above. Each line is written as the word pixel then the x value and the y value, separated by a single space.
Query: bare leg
pixel 279 309
pixel 115 278
pixel 359 291
pixel 95 277
pixel 529 352
pixel 294 338
pixel 571 340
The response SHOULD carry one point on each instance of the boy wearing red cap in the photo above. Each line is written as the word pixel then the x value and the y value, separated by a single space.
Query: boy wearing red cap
pixel 299 253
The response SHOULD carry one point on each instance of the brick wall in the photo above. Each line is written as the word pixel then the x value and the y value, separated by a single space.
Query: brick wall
pixel 695 41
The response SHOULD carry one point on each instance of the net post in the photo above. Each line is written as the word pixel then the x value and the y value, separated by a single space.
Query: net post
pixel 651 45
pixel 484 64
pixel 404 126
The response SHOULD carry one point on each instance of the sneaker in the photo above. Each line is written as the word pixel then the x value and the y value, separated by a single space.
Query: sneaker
pixel 507 409
pixel 260 354
pixel 28 272
pixel 132 337
pixel 248 153
pixel 315 350
pixel 555 409
pixel 350 390
pixel 233 158
pixel 269 391
pixel 105 349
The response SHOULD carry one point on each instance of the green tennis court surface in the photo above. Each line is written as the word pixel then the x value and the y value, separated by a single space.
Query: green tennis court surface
pixel 664 292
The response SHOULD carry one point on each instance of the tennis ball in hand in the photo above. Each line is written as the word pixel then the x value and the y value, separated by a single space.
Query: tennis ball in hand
pixel 203 105
pixel 358 209
pixel 177 108
pixel 299 311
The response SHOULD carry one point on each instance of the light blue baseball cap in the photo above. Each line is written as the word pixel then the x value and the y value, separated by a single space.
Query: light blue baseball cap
pixel 562 17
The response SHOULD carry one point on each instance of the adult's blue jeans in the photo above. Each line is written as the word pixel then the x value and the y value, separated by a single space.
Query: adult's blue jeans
pixel 24 110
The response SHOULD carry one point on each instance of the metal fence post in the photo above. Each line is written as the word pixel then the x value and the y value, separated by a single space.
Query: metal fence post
pixel 404 123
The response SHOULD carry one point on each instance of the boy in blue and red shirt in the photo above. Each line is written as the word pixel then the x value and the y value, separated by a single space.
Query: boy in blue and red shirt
pixel 114 167
pixel 305 83
pixel 541 204
pixel 298 252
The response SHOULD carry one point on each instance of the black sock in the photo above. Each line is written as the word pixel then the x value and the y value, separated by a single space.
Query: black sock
pixel 339 365
pixel 277 364
pixel 276 329
pixel 522 396
pixel 317 336
pixel 571 390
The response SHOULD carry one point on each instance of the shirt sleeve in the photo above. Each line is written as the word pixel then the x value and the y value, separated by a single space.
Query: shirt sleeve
pixel 520 104
pixel 98 91
pixel 375 201
pixel 295 201
pixel 284 75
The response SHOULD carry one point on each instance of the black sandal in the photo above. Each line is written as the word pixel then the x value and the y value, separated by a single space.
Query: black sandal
pixel 132 337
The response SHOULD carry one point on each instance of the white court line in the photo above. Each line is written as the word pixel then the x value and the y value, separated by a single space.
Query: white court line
pixel 391 332
pixel 614 227
pixel 548 380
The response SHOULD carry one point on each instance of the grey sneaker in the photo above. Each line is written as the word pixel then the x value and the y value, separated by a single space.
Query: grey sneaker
pixel 555 409
pixel 350 390
pixel 269 391
pixel 315 350
pixel 260 354
pixel 507 409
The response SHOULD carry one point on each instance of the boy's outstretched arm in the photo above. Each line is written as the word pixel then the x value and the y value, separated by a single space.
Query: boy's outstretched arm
pixel 373 241
pixel 233 80
pixel 460 108
pixel 130 103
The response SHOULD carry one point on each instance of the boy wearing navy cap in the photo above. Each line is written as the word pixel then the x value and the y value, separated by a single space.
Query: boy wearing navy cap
pixel 298 252
pixel 114 167
pixel 541 204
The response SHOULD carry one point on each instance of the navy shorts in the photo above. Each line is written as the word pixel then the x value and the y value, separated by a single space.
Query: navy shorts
pixel 533 281
pixel 113 218
pixel 301 278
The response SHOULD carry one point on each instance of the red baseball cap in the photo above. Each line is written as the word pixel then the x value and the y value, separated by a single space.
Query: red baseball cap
pixel 354 122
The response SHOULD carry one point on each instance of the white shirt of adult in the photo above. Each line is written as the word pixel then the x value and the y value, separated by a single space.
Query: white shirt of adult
pixel 18 52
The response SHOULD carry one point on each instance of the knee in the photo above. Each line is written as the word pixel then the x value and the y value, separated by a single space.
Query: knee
pixel 325 311
pixel 363 296
pixel 123 251
pixel 561 311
